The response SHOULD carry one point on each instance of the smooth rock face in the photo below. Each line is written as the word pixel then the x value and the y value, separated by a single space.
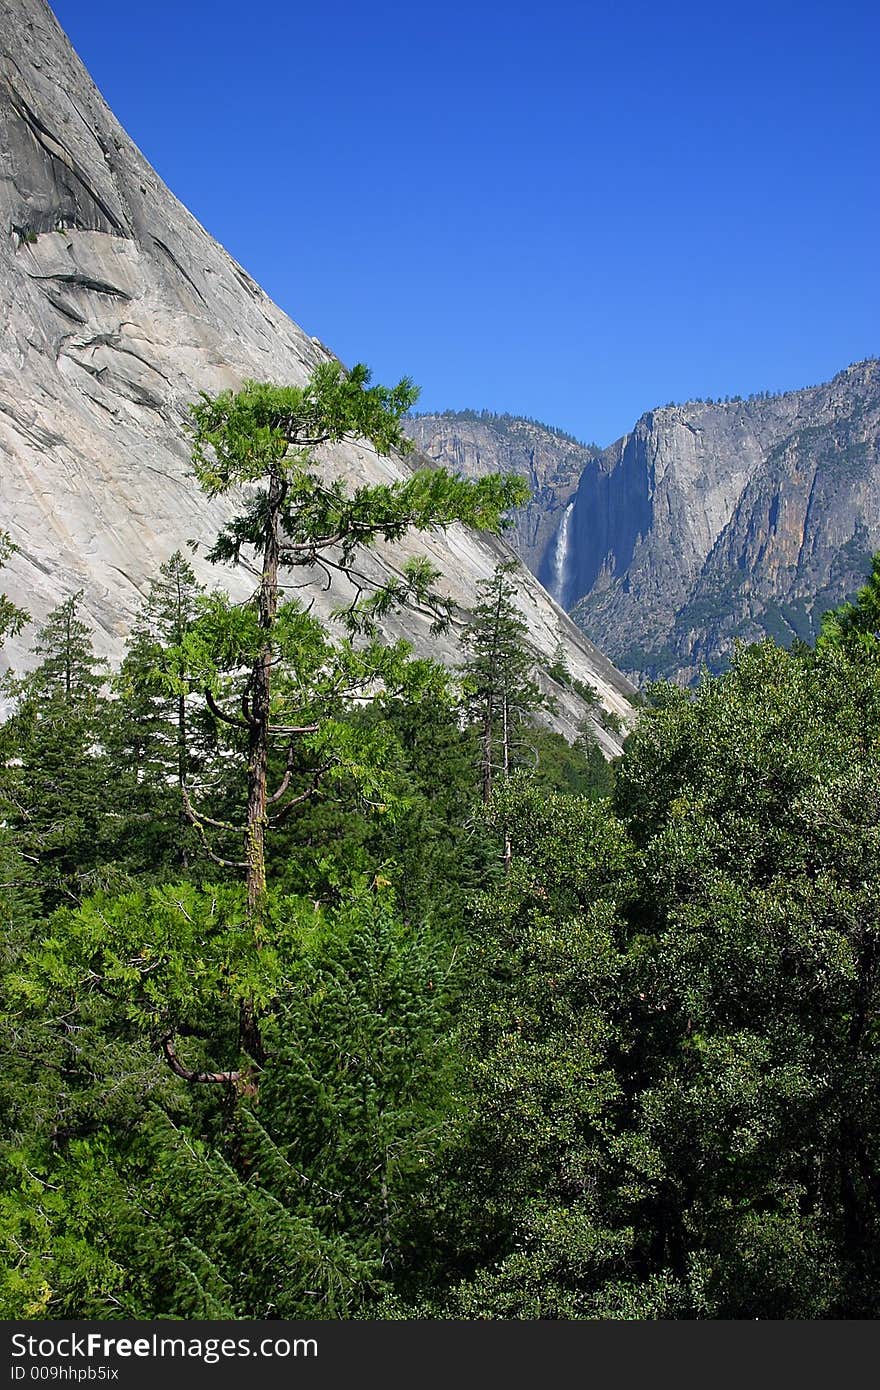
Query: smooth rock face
pixel 735 520
pixel 551 463
pixel 117 309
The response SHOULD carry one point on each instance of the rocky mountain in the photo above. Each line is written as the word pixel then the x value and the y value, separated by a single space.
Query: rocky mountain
pixel 118 308
pixel 717 521
pixel 477 443
pixel 708 522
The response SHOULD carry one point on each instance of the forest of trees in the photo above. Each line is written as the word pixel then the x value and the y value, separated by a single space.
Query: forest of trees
pixel 331 986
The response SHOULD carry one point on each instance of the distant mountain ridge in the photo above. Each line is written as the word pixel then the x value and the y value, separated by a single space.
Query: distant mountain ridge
pixel 504 421
pixel 710 521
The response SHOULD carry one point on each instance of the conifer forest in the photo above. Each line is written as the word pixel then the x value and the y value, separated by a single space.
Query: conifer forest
pixel 335 984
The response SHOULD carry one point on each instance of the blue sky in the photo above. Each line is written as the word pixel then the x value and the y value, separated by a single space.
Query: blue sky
pixel 569 211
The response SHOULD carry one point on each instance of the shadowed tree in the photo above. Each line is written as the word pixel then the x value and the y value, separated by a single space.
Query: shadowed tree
pixel 57 795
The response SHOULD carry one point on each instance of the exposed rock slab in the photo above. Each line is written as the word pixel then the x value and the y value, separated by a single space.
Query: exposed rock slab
pixel 117 309
pixel 712 522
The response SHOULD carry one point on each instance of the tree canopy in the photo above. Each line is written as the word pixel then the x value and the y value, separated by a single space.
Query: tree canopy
pixel 302 1019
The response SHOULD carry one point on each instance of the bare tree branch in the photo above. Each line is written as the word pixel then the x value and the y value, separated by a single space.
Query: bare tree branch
pixel 218 713
pixel 310 791
pixel 224 1078
pixel 198 818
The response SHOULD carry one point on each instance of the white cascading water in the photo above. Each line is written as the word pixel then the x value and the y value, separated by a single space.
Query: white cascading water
pixel 560 555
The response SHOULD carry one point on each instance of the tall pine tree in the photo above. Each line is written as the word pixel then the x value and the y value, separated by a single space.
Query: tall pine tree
pixel 500 692
pixel 58 801
pixel 153 736
pixel 264 437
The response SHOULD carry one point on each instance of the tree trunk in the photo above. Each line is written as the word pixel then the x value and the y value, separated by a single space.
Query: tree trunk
pixel 258 755
pixel 508 853
pixel 487 757
pixel 181 775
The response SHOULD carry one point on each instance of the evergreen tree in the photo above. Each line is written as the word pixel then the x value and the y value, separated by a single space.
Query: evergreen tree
pixel 68 670
pixel 12 618
pixel 578 768
pixel 856 625
pixel 437 852
pixel 265 436
pixel 673 1067
pixel 57 799
pixel 499 691
pixel 152 733
pixel 153 738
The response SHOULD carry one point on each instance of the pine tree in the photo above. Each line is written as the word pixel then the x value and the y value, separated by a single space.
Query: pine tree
pixel 499 691
pixel 498 687
pixel 57 799
pixel 69 668
pixel 264 437
pixel 12 618
pixel 153 741
pixel 856 625
pixel 152 728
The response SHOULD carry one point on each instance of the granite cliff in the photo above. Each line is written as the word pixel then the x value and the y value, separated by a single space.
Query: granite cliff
pixel 708 522
pixel 717 521
pixel 551 462
pixel 117 309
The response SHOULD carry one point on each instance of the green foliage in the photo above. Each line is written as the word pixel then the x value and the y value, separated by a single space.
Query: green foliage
pixel 316 684
pixel 561 673
pixel 154 737
pixel 68 669
pixel 53 1256
pixel 170 960
pixel 611 721
pixel 53 791
pixel 627 1069
pixel 153 1018
pixel 579 768
pixel 265 432
pixel 156 1202
pixel 241 436
pixel 435 853
pixel 856 625
pixel 674 1072
pixel 268 670
pixel 12 618
pixel 498 688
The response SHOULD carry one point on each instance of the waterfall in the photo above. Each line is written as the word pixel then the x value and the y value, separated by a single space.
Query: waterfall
pixel 560 555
